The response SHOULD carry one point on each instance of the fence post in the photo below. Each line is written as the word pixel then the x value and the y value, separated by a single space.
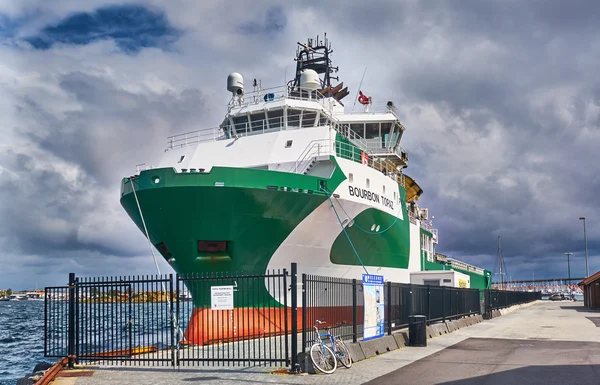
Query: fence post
pixel 295 367
pixel 443 305
pixel 410 300
pixel 172 316
pixel 304 303
pixel 389 308
pixel 354 331
pixel 71 326
pixel 428 305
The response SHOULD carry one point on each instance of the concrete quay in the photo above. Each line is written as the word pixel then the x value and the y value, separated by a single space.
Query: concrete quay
pixel 546 343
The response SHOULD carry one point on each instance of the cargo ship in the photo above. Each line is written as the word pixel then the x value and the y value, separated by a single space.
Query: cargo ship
pixel 290 175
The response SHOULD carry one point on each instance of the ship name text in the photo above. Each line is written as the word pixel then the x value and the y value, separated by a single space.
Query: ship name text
pixel 371 196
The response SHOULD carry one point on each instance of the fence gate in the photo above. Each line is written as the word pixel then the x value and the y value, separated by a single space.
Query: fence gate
pixel 235 319
pixel 124 320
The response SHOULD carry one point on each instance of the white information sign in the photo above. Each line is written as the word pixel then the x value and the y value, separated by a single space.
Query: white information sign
pixel 221 297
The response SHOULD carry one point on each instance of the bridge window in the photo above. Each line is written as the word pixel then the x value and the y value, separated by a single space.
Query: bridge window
pixel 308 118
pixel 275 119
pixel 293 117
pixel 258 122
pixel 241 124
pixel 372 131
pixel 358 128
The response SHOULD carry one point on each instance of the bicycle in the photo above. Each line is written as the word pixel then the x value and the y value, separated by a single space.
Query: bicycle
pixel 325 358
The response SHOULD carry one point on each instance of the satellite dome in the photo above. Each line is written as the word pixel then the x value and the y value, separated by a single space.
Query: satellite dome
pixel 309 80
pixel 235 83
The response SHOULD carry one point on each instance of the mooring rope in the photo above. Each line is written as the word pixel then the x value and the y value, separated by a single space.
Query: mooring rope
pixel 344 229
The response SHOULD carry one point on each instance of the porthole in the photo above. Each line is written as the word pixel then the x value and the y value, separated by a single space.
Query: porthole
pixel 373 227
pixel 156 180
pixel 384 189
pixel 344 222
pixel 351 223
pixel 350 177
pixel 377 228
pixel 368 183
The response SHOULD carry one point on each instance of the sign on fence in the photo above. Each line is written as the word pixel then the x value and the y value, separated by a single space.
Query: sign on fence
pixel 221 297
pixel 374 310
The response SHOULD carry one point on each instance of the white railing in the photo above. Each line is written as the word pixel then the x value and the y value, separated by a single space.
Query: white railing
pixel 237 130
pixel 464 266
pixel 273 94
pixel 193 137
pixel 313 150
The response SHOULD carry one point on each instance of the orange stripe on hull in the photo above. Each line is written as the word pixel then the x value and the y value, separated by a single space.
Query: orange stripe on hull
pixel 208 326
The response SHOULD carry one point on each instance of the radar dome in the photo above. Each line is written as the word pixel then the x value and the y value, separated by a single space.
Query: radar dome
pixel 235 83
pixel 309 80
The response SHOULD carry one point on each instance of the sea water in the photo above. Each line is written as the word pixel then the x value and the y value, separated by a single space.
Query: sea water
pixel 21 339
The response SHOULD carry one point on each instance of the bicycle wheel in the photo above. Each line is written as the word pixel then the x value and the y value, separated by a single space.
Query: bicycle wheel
pixel 323 358
pixel 343 354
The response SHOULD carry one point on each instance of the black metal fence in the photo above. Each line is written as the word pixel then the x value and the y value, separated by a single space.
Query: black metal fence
pixel 341 303
pixel 232 319
pixel 152 320
pixel 497 299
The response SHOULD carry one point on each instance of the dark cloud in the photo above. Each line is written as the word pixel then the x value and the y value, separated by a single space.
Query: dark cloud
pixel 132 27
pixel 500 99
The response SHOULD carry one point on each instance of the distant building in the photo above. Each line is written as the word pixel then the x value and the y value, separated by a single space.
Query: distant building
pixel 591 291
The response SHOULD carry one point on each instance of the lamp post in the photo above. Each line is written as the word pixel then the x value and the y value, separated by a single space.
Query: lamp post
pixel 587 270
pixel 569 265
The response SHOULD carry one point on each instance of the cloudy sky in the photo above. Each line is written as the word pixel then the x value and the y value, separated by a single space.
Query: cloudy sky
pixel 501 100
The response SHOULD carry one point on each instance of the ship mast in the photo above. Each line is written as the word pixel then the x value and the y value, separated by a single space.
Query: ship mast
pixel 501 265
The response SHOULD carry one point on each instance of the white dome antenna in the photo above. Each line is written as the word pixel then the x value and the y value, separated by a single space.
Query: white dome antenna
pixel 309 80
pixel 235 85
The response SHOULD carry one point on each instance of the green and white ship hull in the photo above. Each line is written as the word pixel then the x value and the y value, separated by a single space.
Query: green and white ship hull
pixel 287 177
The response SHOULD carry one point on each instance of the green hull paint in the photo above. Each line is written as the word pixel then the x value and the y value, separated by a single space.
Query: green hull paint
pixel 182 209
pixel 389 249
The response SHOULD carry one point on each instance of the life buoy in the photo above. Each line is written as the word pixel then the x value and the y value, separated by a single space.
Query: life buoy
pixel 362 98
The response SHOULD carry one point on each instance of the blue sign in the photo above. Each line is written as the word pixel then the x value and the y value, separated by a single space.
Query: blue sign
pixel 374 323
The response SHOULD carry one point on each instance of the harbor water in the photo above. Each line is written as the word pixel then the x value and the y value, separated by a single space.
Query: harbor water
pixel 21 339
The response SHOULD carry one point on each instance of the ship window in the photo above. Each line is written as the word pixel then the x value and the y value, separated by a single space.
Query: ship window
pixel 358 128
pixel 181 159
pixel 368 183
pixel 384 189
pixel 288 144
pixel 293 117
pixel 241 124
pixel 258 122
pixel 350 177
pixel 372 131
pixel 308 119
pixel 324 120
pixel 275 119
